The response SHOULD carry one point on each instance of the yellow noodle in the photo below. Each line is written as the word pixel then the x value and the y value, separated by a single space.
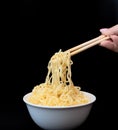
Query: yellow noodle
pixel 58 88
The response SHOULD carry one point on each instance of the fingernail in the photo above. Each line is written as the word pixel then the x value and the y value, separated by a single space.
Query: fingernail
pixel 103 30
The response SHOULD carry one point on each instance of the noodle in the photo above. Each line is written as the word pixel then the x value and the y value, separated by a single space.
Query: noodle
pixel 58 88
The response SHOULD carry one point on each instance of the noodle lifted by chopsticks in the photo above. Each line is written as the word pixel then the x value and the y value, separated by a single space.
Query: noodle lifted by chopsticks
pixel 58 88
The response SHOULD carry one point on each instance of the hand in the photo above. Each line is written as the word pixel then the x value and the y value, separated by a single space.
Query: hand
pixel 112 43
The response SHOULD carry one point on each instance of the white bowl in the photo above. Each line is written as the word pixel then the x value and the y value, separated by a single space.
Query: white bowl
pixel 59 118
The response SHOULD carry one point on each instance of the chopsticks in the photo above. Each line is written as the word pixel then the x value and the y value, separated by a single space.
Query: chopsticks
pixel 79 48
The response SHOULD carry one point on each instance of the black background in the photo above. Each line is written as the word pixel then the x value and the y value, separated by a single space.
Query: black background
pixel 42 29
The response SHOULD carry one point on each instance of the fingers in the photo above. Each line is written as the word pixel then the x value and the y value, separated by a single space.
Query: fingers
pixel 110 31
pixel 114 30
pixel 107 44
pixel 111 44
pixel 105 31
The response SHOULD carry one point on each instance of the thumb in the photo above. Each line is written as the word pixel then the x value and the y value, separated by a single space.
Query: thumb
pixel 114 30
pixel 105 31
pixel 110 31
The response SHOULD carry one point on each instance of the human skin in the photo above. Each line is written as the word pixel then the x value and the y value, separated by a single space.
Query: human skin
pixel 112 43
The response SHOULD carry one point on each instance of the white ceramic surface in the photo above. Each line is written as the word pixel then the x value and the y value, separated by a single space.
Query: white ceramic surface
pixel 59 118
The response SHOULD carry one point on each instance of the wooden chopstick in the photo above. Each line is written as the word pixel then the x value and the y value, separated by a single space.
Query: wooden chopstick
pixel 88 44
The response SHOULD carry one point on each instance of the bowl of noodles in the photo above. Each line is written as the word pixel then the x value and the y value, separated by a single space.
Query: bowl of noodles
pixel 57 104
pixel 59 117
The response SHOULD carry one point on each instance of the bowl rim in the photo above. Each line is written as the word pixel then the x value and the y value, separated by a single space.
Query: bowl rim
pixel 92 96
